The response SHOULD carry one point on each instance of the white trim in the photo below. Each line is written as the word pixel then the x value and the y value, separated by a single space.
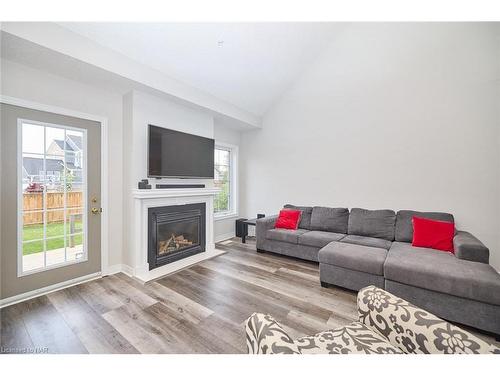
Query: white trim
pixel 104 160
pixel 127 270
pixel 48 289
pixel 224 236
pixel 145 199
pixel 117 268
pixel 233 180
pixel 170 193
pixel 225 216
pixel 20 198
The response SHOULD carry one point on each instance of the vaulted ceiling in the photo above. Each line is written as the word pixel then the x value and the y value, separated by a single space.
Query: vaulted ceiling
pixel 246 64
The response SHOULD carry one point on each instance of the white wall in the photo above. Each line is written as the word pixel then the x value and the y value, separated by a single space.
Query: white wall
pixel 390 116
pixel 26 83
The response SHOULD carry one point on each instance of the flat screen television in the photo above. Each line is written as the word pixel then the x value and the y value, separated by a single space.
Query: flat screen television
pixel 176 154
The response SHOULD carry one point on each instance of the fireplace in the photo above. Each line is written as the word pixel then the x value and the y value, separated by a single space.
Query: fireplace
pixel 175 232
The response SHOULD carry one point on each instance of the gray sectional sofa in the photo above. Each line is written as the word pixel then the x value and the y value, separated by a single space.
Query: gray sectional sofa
pixel 373 247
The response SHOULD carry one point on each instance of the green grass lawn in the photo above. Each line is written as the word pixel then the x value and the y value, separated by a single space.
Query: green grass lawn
pixel 35 231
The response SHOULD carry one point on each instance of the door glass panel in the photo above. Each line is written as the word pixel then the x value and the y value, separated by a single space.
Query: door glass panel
pixel 32 225
pixel 53 200
pixel 33 136
pixel 74 248
pixel 74 222
pixel 33 255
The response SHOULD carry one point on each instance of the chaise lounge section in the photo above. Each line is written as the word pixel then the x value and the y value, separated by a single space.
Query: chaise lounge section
pixel 373 247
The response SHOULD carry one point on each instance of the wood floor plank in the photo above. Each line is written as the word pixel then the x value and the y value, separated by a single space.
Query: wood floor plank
pixel 143 331
pixel 221 303
pixel 126 293
pixel 265 295
pixel 48 329
pixel 198 338
pixel 176 302
pixel 323 298
pixel 96 334
pixel 201 309
pixel 98 297
pixel 14 337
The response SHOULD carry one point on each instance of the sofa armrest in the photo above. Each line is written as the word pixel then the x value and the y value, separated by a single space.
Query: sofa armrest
pixel 262 226
pixel 265 336
pixel 468 247
pixel 414 330
pixel 266 223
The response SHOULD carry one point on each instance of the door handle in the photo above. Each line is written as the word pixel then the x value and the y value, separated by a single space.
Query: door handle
pixel 96 211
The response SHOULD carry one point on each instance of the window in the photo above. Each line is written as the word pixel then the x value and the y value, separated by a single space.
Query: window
pixel 225 179
pixel 52 198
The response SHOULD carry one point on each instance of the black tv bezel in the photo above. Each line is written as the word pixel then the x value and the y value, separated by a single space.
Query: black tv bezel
pixel 179 177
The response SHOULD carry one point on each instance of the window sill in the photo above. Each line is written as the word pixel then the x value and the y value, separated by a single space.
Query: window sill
pixel 225 215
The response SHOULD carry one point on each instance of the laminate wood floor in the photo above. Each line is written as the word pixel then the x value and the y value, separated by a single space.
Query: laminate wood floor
pixel 201 309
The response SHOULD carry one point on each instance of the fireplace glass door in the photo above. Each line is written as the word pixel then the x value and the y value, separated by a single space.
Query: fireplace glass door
pixel 177 235
pixel 175 232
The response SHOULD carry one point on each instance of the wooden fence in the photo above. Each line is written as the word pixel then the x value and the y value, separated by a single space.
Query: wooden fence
pixel 55 201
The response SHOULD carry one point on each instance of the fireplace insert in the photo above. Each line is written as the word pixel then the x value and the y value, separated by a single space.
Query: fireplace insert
pixel 175 232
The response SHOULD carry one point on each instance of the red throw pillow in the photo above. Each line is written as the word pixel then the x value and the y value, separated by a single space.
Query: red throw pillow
pixel 435 234
pixel 288 219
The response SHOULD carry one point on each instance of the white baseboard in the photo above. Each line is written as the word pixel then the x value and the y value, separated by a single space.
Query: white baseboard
pixel 224 236
pixel 127 270
pixel 116 268
pixel 48 289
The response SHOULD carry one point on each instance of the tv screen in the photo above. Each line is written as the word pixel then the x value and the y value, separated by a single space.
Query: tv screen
pixel 176 154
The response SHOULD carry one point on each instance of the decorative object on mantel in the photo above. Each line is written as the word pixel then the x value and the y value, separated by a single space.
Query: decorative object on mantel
pixel 144 184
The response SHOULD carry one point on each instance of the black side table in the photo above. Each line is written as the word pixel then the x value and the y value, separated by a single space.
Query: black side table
pixel 245 224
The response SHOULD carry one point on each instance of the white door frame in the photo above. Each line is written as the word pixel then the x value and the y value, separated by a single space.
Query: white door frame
pixel 104 161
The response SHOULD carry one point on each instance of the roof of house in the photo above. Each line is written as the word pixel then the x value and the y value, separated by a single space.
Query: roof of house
pixel 74 143
pixel 33 166
pixel 61 145
pixel 77 140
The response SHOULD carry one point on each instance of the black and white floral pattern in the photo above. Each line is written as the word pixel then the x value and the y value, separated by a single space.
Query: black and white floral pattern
pixel 265 336
pixel 387 325
pixel 354 338
pixel 412 329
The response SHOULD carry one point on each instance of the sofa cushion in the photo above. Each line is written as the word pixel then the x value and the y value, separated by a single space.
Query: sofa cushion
pixel 442 272
pixel 285 235
pixel 318 238
pixel 372 223
pixel 354 257
pixel 330 219
pixel 404 225
pixel 305 219
pixel 367 241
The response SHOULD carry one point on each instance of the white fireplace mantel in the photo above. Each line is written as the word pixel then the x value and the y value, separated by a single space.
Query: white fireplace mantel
pixel 147 198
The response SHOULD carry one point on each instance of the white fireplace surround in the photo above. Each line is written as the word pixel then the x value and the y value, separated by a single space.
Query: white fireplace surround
pixel 144 199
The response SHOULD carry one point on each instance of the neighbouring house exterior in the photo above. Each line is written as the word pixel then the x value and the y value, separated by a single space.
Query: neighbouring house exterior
pixel 56 167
